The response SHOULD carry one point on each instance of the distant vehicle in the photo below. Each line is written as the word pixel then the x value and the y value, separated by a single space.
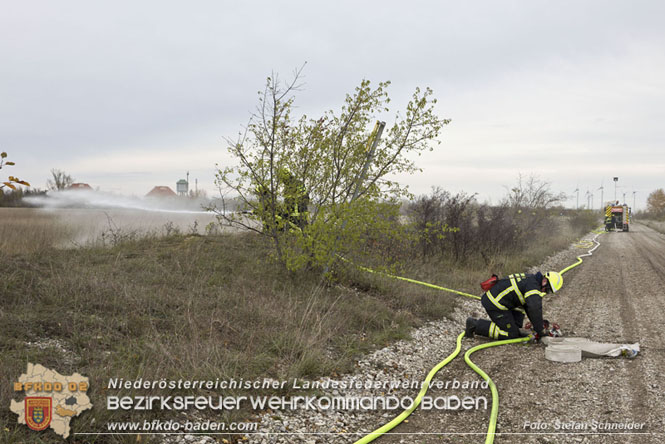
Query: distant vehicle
pixel 617 217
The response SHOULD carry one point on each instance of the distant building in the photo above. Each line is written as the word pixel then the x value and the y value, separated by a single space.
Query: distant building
pixel 182 186
pixel 161 191
pixel 79 186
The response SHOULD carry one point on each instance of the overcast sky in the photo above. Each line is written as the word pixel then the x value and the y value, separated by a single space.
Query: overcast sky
pixel 128 95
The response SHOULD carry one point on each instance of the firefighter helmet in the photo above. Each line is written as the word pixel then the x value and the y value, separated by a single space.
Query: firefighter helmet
pixel 555 280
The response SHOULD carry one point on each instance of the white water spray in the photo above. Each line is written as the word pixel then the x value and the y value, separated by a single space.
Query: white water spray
pixel 101 200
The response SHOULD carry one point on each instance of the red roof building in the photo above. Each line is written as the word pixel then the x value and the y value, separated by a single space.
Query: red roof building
pixel 79 186
pixel 161 191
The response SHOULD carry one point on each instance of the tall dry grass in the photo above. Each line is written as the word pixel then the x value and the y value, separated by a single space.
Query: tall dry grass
pixel 25 230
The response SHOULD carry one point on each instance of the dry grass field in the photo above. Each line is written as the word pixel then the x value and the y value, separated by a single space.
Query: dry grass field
pixel 25 230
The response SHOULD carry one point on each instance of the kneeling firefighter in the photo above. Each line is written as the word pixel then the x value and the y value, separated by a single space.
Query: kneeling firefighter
pixel 509 299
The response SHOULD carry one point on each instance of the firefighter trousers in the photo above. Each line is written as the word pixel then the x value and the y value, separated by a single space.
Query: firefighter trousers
pixel 504 324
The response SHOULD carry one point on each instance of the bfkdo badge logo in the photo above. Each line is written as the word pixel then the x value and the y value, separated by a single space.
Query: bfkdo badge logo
pixel 38 412
pixel 51 400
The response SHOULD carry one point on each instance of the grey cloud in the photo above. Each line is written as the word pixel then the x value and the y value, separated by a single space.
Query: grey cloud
pixel 79 77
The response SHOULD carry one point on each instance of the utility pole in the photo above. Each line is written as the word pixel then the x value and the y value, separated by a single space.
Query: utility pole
pixel 601 195
pixel 577 190
pixel 616 179
pixel 634 200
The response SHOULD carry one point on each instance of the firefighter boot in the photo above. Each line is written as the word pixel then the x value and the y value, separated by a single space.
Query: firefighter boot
pixel 470 329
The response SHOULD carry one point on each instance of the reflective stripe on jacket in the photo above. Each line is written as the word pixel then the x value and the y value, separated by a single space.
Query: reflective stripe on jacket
pixel 519 292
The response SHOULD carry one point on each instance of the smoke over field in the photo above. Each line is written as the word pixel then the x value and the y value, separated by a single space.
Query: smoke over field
pixel 25 230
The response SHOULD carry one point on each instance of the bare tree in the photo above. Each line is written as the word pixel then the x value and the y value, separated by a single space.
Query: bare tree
pixel 532 193
pixel 60 180
pixel 530 200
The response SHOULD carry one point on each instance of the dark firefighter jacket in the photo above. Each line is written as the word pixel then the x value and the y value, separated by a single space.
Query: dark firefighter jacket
pixel 519 292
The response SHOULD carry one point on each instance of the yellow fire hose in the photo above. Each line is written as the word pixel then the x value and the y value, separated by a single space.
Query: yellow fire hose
pixel 405 414
pixel 467 358
pixel 413 281
pixel 584 244
pixel 494 413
